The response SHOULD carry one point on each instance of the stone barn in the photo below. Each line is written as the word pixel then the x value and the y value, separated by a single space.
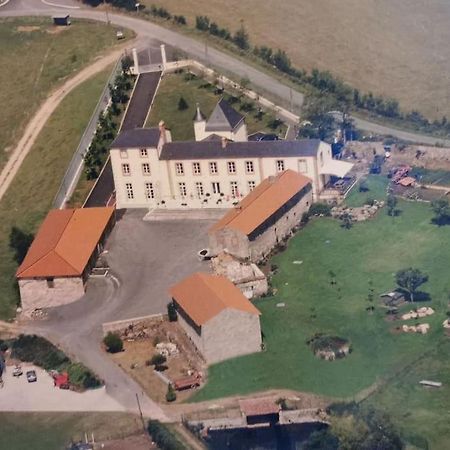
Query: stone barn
pixel 59 260
pixel 263 218
pixel 220 321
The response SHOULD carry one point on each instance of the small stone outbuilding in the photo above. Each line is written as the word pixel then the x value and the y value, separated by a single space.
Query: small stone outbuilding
pixel 263 218
pixel 65 249
pixel 220 321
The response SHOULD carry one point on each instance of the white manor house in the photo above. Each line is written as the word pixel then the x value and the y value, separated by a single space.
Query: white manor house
pixel 216 170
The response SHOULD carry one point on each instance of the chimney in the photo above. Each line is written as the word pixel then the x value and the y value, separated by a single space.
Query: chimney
pixel 135 61
pixel 162 136
pixel 224 142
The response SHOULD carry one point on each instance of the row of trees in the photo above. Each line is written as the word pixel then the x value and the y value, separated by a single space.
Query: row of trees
pixel 107 127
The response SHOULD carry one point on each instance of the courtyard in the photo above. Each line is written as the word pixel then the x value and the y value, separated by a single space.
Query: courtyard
pixel 306 302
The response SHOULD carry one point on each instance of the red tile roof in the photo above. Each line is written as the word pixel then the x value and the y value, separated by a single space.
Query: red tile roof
pixel 203 296
pixel 267 198
pixel 65 242
pixel 258 406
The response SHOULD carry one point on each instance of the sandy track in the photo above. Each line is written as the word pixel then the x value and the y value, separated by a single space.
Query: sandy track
pixel 44 112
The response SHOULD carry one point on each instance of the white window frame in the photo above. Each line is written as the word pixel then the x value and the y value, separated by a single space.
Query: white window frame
pixel 149 190
pixel 213 168
pixel 129 191
pixel 146 166
pixel 303 163
pixel 182 189
pixel 215 187
pixel 199 188
pixel 231 167
pixel 249 167
pixel 126 172
pixel 234 189
pixel 179 168
pixel 280 166
pixel 143 152
pixel 251 185
pixel 196 168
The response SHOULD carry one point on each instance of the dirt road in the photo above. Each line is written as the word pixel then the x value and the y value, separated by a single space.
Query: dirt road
pixel 38 121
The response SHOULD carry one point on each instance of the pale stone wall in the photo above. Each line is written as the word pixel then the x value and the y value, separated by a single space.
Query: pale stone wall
pixel 229 334
pixel 265 242
pixel 191 334
pixel 35 293
pixel 230 241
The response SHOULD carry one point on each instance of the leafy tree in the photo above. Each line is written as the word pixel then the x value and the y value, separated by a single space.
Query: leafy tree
pixel 391 204
pixel 171 395
pixel 19 242
pixel 113 343
pixel 320 209
pixel 410 279
pixel 157 359
pixel 346 221
pixel 163 437
pixel 441 210
pixel 182 104
pixel 202 23
pixel 241 38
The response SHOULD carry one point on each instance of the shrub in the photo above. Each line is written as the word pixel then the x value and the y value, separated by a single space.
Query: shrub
pixel 19 242
pixel 39 351
pixel 3 346
pixel 81 376
pixel 370 201
pixel 182 104
pixel 157 359
pixel 164 438
pixel 113 343
pixel 171 395
pixel 363 187
pixel 320 209
pixel 172 312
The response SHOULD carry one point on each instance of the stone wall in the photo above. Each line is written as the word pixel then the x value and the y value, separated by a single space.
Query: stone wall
pixel 120 325
pixel 191 334
pixel 229 334
pixel 230 241
pixel 36 293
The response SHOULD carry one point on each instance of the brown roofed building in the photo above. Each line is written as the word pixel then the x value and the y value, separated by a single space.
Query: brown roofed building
pixel 61 256
pixel 220 321
pixel 263 218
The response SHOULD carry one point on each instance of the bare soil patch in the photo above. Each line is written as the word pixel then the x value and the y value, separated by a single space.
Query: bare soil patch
pixel 27 28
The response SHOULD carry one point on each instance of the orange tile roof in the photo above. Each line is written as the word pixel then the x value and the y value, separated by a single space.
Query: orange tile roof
pixel 64 242
pixel 203 296
pixel 267 198
pixel 258 406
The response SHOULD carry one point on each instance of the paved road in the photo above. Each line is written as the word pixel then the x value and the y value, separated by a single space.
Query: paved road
pixel 196 50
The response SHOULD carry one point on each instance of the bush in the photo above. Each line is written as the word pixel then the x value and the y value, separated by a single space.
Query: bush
pixel 113 343
pixel 157 359
pixel 182 104
pixel 172 312
pixel 171 395
pixel 3 346
pixel 363 187
pixel 320 209
pixel 19 242
pixel 39 351
pixel 81 376
pixel 370 201
pixel 164 438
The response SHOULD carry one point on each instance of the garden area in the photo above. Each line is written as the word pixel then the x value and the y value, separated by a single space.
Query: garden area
pixel 178 114
pixel 327 283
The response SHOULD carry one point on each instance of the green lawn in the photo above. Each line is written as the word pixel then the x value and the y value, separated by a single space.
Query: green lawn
pixel 372 250
pixel 377 185
pixel 53 431
pixel 35 58
pixel 30 195
pixel 195 91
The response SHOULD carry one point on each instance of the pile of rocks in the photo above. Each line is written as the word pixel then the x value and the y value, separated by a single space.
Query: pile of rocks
pixel 167 349
pixel 358 214
pixel 419 313
pixel 135 332
pixel 421 328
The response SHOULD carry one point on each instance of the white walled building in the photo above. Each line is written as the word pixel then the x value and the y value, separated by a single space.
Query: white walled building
pixel 150 171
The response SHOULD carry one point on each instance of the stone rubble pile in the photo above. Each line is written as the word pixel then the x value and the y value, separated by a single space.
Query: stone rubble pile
pixel 358 214
pixel 421 312
pixel 421 328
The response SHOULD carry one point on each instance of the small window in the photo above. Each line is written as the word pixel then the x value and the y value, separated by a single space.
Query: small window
pixel 231 167
pixel 125 169
pixel 251 185
pixel 183 191
pixel 146 169
pixel 50 282
pixel 249 168
pixel 179 169
pixel 216 187
pixel 124 154
pixel 302 166
pixel 144 153
pixel 234 188
pixel 149 191
pixel 199 188
pixel 129 190
pixel 196 168
pixel 280 165
pixel 213 168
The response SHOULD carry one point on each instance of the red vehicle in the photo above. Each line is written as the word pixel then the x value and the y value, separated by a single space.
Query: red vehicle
pixel 190 382
pixel 61 380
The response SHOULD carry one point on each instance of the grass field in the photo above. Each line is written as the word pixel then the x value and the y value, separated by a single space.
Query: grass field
pixel 30 196
pixel 53 431
pixel 395 48
pixel 35 58
pixel 377 186
pixel 372 250
pixel 181 123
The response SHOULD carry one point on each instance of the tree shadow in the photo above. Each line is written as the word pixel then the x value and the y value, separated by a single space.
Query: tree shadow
pixel 419 296
pixel 440 221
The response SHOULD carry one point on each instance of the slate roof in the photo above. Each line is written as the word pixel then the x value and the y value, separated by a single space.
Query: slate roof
pixel 223 118
pixel 260 149
pixel 137 138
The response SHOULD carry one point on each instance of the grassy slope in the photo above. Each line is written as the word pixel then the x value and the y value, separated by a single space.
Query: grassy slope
pixel 396 48
pixel 53 431
pixel 30 195
pixel 371 250
pixel 165 107
pixel 377 185
pixel 46 59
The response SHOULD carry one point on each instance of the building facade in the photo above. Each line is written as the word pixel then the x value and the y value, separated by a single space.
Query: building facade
pixel 216 317
pixel 263 218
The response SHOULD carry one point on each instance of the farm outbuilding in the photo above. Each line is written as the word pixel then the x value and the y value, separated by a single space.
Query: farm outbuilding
pixel 220 321
pixel 61 20
pixel 64 251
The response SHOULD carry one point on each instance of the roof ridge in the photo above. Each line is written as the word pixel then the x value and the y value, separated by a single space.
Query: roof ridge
pixel 205 278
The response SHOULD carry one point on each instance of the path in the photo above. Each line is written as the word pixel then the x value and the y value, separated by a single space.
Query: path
pixel 41 117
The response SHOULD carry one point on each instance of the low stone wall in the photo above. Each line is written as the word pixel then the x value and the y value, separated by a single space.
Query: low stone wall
pixel 120 325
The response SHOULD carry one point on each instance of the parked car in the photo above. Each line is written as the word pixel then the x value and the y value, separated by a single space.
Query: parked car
pixel 31 376
pixel 17 371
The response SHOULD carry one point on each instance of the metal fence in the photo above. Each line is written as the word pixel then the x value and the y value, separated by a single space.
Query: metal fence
pixel 73 171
